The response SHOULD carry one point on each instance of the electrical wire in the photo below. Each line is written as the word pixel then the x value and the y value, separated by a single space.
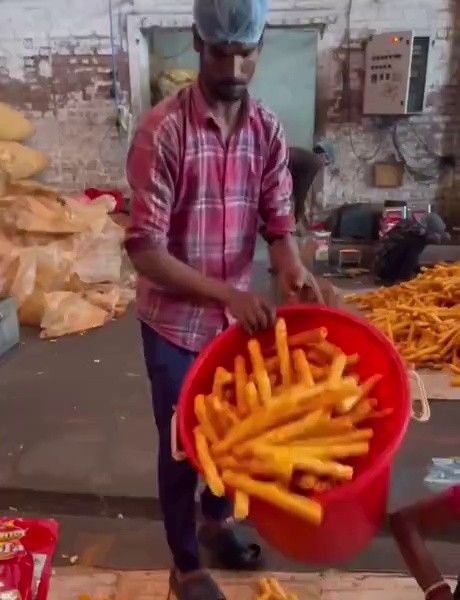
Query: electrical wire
pixel 116 97
pixel 347 91
pixel 421 176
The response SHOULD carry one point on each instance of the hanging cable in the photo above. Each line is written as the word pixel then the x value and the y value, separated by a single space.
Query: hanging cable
pixel 116 95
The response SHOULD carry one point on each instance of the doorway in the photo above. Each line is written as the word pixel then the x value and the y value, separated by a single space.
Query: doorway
pixel 285 79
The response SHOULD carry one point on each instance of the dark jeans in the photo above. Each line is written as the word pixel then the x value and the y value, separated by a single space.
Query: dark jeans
pixel 167 366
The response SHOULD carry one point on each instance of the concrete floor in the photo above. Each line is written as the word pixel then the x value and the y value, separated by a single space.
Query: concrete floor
pixel 77 438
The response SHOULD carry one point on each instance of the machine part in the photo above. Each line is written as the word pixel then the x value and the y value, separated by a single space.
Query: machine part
pixel 396 65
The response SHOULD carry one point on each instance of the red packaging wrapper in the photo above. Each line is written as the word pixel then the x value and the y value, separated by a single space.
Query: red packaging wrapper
pixel 26 553
pixel 390 217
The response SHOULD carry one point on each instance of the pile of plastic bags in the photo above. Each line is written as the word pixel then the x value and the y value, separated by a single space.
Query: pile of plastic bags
pixel 62 259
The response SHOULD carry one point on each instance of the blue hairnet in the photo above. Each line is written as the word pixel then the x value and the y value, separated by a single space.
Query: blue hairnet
pixel 227 21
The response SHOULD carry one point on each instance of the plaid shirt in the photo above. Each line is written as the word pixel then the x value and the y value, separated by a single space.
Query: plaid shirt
pixel 201 199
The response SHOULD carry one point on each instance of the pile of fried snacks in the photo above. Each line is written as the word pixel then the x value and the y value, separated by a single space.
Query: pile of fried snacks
pixel 269 588
pixel 281 427
pixel 421 317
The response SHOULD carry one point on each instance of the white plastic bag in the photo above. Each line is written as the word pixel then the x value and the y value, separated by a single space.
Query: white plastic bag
pixel 443 473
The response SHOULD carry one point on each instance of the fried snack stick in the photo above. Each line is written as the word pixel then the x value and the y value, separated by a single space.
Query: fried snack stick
pixel 332 351
pixel 273 493
pixel 203 419
pixel 277 413
pixel 276 590
pixel 323 486
pixel 252 397
pixel 241 379
pixel 318 358
pixel 324 468
pixel 360 435
pixel 272 365
pixel 260 374
pixel 335 426
pixel 288 406
pixel 455 382
pixel 224 417
pixel 339 362
pixel 369 385
pixel 306 481
pixel 222 377
pixel 264 587
pixel 302 367
pixel 330 452
pixel 209 468
pixel 306 338
pixel 311 483
pixel 270 589
pixel 282 349
pixel 272 468
pixel 287 433
pixel 347 404
pixel 241 506
pixel 302 461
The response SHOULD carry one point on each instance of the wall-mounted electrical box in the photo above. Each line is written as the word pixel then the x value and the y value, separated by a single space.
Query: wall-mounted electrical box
pixel 396 66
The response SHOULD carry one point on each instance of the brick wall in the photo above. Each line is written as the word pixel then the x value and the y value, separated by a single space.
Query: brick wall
pixel 62 78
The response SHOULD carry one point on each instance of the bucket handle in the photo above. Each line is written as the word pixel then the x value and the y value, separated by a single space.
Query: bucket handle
pixel 425 414
pixel 177 454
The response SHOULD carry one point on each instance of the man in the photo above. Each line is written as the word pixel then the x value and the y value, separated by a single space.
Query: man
pixel 304 167
pixel 410 524
pixel 397 258
pixel 204 166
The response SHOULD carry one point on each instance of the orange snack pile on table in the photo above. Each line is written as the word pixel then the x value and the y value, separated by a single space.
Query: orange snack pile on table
pixel 269 588
pixel 421 317
pixel 286 425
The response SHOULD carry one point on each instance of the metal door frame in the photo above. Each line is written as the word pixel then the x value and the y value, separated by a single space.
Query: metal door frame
pixel 138 52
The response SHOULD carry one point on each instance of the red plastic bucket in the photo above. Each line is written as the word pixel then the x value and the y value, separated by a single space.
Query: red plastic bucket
pixel 353 512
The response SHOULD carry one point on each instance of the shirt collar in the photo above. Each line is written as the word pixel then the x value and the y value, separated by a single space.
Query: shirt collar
pixel 203 110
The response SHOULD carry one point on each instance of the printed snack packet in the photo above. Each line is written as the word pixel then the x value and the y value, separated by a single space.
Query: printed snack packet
pixel 26 552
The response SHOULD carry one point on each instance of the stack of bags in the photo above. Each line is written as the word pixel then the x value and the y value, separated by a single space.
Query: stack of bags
pixel 60 258
pixel 17 160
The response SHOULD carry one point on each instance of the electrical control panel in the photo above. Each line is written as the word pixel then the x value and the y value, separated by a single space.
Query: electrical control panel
pixel 396 66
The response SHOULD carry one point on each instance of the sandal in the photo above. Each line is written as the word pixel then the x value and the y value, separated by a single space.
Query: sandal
pixel 200 587
pixel 231 547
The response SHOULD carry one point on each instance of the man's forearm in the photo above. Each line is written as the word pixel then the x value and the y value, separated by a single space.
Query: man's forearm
pixel 284 253
pixel 414 551
pixel 176 277
pixel 410 524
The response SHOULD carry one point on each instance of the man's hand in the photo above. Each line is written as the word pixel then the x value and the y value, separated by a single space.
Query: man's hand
pixel 330 295
pixel 299 285
pixel 250 310
pixel 291 280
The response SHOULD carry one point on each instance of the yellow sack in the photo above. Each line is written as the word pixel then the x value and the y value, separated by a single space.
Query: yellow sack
pixel 170 82
pixel 13 126
pixel 21 162
pixel 66 313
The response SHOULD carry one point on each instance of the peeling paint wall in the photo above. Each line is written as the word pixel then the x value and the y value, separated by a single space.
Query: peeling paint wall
pixel 55 64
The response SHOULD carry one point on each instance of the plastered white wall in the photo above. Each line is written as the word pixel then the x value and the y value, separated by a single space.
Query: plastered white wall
pixel 76 126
